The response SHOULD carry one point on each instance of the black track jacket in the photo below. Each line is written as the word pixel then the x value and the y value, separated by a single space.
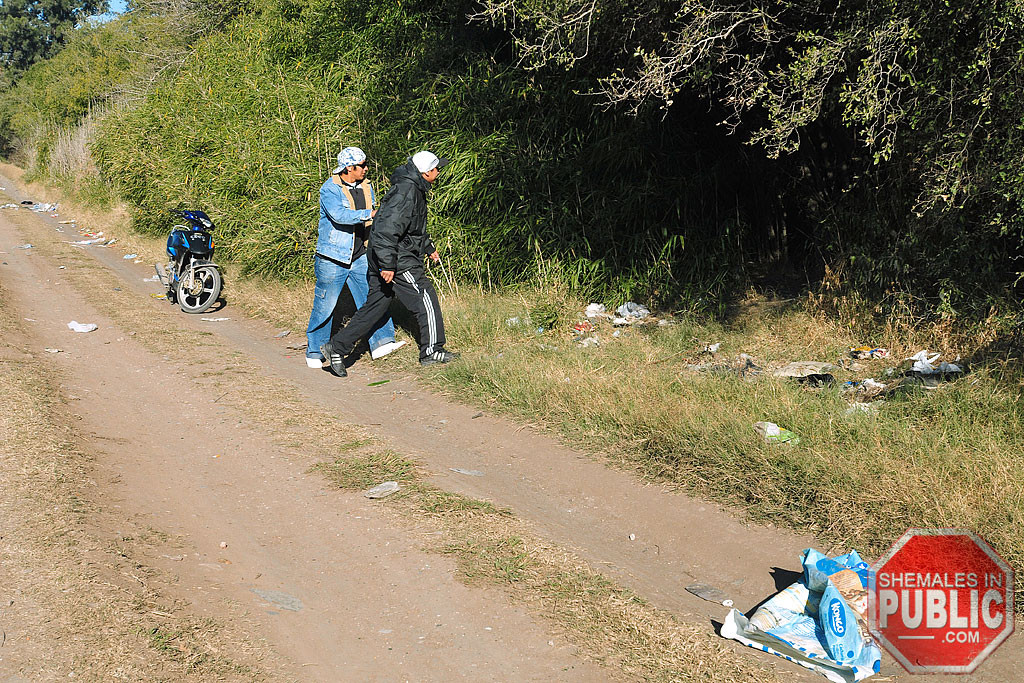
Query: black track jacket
pixel 399 239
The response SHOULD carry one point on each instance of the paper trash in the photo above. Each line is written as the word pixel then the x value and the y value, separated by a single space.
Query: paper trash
pixel 818 622
pixel 82 327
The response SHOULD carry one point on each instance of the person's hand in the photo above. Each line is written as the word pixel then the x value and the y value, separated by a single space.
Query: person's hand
pixel 373 213
pixel 435 257
pixel 387 275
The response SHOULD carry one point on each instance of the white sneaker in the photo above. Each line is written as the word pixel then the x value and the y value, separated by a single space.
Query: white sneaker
pixel 385 349
pixel 314 363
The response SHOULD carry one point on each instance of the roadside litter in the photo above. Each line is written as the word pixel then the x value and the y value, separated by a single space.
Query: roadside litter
pixel 215 320
pixel 818 622
pixel 43 208
pixel 773 433
pixel 866 352
pixel 594 310
pixel 130 256
pixel 632 310
pixel 10 206
pixel 49 350
pixel 925 365
pixel 864 390
pixel 282 333
pixel 82 327
pixel 809 372
pixel 742 366
pixel 709 593
pixel 25 246
pixel 861 408
pixel 155 278
pixel 378 383
pixel 382 490
pixel 471 473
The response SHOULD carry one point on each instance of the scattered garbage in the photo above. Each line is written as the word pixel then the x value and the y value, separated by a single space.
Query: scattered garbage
pixel 471 473
pixel 809 373
pixel 223 544
pixel 215 320
pixel 594 310
pixel 82 327
pixel 10 206
pixel 861 408
pixel 864 390
pixel 43 208
pixel 925 365
pixel 773 433
pixel 590 341
pixel 805 368
pixel 130 256
pixel 382 490
pixel 279 599
pixel 25 246
pixel 584 327
pixel 378 383
pixel 867 352
pixel 155 278
pixel 632 310
pixel 49 350
pixel 513 322
pixel 282 333
pixel 713 348
pixel 709 593
pixel 27 202
pixel 818 622
pixel 475 416
pixel 92 241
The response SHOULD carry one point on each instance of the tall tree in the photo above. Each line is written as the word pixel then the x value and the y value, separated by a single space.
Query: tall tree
pixel 31 30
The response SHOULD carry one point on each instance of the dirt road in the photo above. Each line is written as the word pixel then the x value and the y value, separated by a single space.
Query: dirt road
pixel 327 579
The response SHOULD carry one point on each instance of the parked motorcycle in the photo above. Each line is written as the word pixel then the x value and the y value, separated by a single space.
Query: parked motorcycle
pixel 193 280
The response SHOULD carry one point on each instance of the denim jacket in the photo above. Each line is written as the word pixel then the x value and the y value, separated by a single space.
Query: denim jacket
pixel 338 221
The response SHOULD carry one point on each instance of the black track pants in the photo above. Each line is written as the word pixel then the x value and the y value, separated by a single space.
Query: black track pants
pixel 415 292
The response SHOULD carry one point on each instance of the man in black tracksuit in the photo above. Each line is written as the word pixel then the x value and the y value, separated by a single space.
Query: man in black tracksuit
pixel 398 244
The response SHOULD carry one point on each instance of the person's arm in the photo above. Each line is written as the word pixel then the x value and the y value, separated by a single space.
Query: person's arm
pixel 337 208
pixel 389 226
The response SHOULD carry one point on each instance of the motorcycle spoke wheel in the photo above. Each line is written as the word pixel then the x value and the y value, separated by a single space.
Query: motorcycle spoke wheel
pixel 197 293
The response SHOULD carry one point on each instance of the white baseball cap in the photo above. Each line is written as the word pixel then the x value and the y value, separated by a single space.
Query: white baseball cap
pixel 425 161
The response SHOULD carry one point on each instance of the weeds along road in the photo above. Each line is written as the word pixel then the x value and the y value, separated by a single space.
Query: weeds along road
pixel 204 433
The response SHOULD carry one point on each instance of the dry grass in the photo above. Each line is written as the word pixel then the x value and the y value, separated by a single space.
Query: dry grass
pixel 607 623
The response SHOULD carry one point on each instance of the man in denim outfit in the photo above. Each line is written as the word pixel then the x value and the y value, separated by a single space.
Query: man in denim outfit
pixel 346 212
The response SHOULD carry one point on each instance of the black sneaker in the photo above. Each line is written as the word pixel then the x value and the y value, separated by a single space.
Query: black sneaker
pixel 336 360
pixel 439 356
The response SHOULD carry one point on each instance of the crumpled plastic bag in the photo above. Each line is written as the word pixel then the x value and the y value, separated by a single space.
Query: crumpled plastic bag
pixel 82 327
pixel 631 309
pixel 815 619
pixel 773 433
pixel 925 365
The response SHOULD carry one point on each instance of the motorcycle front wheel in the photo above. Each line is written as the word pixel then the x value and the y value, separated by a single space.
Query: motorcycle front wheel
pixel 199 290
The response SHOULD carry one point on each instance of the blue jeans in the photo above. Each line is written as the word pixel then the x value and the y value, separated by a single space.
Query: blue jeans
pixel 330 278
